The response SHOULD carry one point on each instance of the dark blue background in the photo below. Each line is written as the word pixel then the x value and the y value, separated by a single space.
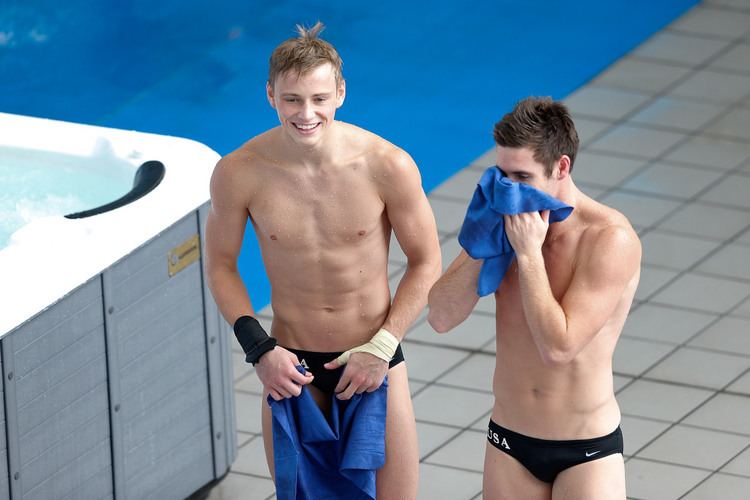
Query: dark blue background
pixel 432 77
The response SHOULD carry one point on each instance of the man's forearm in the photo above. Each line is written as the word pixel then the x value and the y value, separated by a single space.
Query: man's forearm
pixel 454 296
pixel 544 315
pixel 230 293
pixel 411 296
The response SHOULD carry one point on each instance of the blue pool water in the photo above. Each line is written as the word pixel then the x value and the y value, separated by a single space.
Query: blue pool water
pixel 431 77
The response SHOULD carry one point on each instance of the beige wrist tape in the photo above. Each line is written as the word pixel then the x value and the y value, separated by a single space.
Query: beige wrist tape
pixel 383 345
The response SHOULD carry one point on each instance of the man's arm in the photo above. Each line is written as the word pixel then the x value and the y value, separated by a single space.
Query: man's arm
pixel 605 266
pixel 454 296
pixel 413 223
pixel 225 228
pixel 411 218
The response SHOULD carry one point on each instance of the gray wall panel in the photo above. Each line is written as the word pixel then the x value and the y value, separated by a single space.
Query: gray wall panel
pixel 162 290
pixel 157 327
pixel 71 395
pixel 194 425
pixel 129 268
pixel 173 351
pixel 91 434
pixel 60 398
pixel 66 421
pixel 97 487
pixel 169 411
pixel 61 312
pixel 169 320
pixel 147 311
pixel 59 337
pixel 72 476
pixel 4 472
pixel 181 459
pixel 173 378
pixel 11 416
pixel 44 440
pixel 187 481
pixel 55 374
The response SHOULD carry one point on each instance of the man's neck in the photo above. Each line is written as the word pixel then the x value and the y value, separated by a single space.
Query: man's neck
pixel 567 192
pixel 314 156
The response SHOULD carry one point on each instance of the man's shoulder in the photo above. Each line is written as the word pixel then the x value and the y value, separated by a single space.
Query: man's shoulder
pixel 609 235
pixel 379 152
pixel 251 154
pixel 236 172
pixel 604 227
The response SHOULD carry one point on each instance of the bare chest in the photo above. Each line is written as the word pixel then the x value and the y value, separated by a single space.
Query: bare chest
pixel 296 211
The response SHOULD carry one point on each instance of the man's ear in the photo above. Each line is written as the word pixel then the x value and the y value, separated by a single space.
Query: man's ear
pixel 269 95
pixel 340 93
pixel 563 167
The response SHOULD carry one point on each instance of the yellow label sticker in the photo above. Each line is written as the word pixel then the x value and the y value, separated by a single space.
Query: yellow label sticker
pixel 183 255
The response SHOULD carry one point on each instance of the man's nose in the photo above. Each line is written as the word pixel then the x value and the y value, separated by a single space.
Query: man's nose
pixel 307 112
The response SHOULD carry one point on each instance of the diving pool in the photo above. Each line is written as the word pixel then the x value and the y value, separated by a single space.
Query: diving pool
pixel 432 77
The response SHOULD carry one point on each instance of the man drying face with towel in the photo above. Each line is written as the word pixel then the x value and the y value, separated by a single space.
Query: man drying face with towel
pixel 563 282
pixel 323 197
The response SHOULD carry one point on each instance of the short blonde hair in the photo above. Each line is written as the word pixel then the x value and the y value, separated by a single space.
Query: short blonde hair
pixel 303 54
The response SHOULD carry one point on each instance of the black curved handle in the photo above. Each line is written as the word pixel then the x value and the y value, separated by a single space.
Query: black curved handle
pixel 146 178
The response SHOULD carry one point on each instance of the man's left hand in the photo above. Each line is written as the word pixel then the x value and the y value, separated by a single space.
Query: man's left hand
pixel 526 231
pixel 363 373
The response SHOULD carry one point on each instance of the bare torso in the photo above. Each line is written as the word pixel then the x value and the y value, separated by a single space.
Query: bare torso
pixel 571 401
pixel 324 235
pixel 323 197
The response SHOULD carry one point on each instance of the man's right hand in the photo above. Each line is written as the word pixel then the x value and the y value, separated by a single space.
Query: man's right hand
pixel 277 371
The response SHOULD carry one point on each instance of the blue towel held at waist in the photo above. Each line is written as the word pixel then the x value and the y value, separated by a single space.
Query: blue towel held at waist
pixel 315 458
pixel 483 232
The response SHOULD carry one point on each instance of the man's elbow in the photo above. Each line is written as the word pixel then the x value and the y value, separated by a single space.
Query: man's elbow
pixel 439 322
pixel 216 271
pixel 431 266
pixel 558 357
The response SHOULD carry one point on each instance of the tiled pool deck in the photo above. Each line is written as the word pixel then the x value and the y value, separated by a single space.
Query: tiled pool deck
pixel 665 137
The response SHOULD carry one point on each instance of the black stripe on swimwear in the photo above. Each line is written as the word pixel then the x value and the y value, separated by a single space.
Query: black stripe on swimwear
pixel 325 379
pixel 544 458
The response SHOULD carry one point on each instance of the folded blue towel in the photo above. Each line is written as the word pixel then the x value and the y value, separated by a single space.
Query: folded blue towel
pixel 483 232
pixel 317 459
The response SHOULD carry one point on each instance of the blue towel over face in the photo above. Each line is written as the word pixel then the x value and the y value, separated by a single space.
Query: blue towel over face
pixel 483 232
pixel 315 459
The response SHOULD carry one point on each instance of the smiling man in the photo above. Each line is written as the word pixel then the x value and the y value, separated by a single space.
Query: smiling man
pixel 323 197
pixel 560 307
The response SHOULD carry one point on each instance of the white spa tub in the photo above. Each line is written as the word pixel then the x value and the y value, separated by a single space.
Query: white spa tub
pixel 51 256
pixel 115 362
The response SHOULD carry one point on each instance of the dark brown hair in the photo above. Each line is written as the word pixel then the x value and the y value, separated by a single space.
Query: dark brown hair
pixel 542 125
pixel 303 54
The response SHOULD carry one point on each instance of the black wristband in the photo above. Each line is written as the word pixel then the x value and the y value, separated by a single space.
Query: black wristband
pixel 253 338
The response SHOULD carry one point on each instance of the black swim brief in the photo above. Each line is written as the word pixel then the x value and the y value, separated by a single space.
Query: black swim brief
pixel 544 458
pixel 325 379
